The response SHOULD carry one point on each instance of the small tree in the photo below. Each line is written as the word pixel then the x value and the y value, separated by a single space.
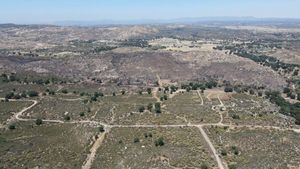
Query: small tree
pixel 223 152
pixel 232 166
pixel 136 140
pixel 67 118
pixel 38 122
pixel 101 129
pixel 33 93
pixel 165 97
pixel 159 142
pixel 150 106
pixel 157 108
pixel 204 166
pixel 12 126
pixel 149 90
pixel 141 109
pixel 228 89
pixel 64 91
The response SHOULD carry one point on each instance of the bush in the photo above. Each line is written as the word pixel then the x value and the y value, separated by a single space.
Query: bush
pixel 94 98
pixel 101 129
pixel 150 106
pixel 235 116
pixel 32 93
pixel 141 109
pixel 165 97
pixel 232 166
pixel 38 122
pixel 67 118
pixel 157 108
pixel 136 140
pixel 204 166
pixel 123 92
pixel 235 150
pixel 286 90
pixel 9 95
pixel 223 152
pixel 149 91
pixel 159 142
pixel 228 89
pixel 64 91
pixel 12 127
pixel 81 114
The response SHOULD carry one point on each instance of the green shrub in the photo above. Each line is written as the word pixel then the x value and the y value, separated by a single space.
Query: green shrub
pixel 38 122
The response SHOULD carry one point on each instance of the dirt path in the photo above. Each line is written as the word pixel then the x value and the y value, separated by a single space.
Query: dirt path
pixel 93 150
pixel 154 94
pixel 221 103
pixel 199 94
pixel 101 137
pixel 212 148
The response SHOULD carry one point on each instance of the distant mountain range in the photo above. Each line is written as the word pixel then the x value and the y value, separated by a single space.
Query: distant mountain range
pixel 210 20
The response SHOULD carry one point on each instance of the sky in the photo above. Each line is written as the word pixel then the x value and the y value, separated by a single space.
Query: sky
pixel 50 11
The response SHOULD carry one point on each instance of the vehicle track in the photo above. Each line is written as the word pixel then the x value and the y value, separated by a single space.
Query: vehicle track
pixel 100 139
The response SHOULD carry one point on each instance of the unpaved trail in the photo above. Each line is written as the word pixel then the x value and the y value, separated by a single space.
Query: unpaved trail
pixel 212 148
pixel 221 103
pixel 17 115
pixel 199 94
pixel 154 94
pixel 99 140
pixel 93 150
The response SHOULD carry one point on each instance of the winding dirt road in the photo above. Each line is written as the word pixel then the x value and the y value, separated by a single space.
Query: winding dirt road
pixel 99 140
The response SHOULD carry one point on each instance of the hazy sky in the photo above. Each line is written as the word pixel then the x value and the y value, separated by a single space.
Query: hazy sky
pixel 48 11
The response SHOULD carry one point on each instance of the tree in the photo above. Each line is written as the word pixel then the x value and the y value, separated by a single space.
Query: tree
pixel 235 116
pixel 223 152
pixel 10 95
pixel 51 92
pixel 204 166
pixel 123 92
pixel 157 107
pixel 141 109
pixel 101 129
pixel 235 150
pixel 94 98
pixel 38 122
pixel 228 89
pixel 232 166
pixel 150 106
pixel 188 89
pixel 64 91
pixel 32 93
pixel 136 140
pixel 12 126
pixel 286 90
pixel 159 142
pixel 149 90
pixel 165 97
pixel 114 94
pixel 67 118
pixel 81 114
pixel 141 92
pixel 297 122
